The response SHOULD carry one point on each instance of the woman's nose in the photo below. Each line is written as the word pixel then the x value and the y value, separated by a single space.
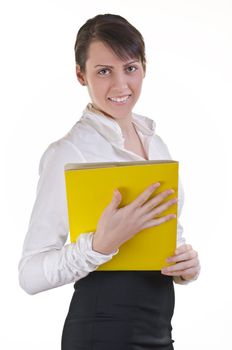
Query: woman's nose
pixel 120 81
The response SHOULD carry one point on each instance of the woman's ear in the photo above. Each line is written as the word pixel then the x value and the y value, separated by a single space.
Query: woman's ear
pixel 80 75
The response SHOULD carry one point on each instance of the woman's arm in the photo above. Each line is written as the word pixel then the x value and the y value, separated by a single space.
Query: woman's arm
pixel 46 261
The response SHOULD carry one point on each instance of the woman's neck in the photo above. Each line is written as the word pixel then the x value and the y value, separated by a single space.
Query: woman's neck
pixel 126 125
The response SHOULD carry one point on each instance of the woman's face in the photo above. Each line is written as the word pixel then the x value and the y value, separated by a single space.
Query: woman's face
pixel 114 85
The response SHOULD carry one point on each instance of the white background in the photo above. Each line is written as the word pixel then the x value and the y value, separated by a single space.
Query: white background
pixel 187 91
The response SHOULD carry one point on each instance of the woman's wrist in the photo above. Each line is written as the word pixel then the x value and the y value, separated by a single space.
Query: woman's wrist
pixel 97 246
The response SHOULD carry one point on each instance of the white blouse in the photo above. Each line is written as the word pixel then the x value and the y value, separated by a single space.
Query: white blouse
pixel 46 261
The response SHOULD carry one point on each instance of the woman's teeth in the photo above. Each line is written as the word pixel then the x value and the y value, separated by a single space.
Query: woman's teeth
pixel 119 99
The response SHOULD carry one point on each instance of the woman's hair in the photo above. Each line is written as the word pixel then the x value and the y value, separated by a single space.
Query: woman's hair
pixel 114 31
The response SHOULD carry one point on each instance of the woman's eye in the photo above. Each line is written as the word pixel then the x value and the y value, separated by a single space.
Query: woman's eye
pixel 132 68
pixel 104 71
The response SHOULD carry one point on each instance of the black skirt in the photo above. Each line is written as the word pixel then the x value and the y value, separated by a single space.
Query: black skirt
pixel 120 310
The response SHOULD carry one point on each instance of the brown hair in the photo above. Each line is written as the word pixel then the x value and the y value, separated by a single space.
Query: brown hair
pixel 114 31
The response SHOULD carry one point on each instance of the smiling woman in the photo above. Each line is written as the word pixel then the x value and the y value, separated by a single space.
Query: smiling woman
pixel 114 88
pixel 109 309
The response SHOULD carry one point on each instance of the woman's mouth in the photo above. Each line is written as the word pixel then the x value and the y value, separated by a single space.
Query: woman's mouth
pixel 119 100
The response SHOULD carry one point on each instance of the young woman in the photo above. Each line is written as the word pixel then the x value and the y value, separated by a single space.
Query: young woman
pixel 109 309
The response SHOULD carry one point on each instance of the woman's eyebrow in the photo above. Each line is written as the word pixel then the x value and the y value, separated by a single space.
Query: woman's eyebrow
pixel 108 66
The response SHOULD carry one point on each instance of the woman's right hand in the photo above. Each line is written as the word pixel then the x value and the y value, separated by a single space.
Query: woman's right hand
pixel 118 225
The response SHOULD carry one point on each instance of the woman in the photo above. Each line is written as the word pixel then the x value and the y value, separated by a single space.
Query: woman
pixel 109 309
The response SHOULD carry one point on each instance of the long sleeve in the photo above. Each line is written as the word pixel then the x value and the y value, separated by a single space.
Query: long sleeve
pixel 46 261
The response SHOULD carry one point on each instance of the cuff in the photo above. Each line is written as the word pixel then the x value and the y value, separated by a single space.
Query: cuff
pixel 85 243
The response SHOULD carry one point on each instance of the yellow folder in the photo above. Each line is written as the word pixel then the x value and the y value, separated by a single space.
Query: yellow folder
pixel 89 189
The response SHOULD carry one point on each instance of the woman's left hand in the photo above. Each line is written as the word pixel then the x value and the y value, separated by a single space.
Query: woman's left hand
pixel 186 265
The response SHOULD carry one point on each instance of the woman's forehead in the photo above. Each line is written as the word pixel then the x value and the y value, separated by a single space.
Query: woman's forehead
pixel 101 54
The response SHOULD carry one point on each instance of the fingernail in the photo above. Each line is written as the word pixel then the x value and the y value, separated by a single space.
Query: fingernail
pixel 153 186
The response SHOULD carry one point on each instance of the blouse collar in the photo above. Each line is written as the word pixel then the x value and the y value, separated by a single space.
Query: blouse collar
pixel 110 129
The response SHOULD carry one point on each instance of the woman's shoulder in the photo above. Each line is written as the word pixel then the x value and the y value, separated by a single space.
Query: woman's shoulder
pixel 63 150
pixel 69 140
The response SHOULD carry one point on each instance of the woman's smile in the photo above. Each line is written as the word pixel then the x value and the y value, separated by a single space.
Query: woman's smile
pixel 119 100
